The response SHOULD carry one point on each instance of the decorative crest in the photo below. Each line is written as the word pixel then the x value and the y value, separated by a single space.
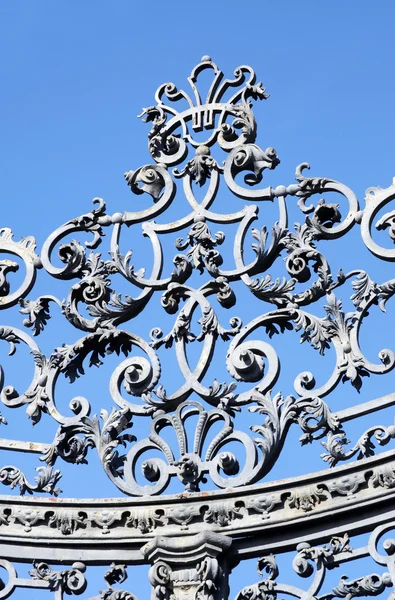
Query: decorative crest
pixel 173 126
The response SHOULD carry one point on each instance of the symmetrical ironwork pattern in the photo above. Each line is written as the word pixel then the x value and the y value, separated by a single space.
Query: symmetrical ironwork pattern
pixel 203 151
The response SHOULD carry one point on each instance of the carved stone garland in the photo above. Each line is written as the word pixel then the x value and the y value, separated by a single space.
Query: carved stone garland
pixel 246 517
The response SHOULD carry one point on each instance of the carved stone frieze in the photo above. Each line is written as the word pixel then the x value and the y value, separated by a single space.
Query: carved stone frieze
pixel 265 508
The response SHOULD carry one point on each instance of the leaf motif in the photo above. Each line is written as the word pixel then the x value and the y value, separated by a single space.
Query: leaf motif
pixel 385 292
pixel 364 288
pixel 37 312
pixel 315 331
pixel 278 291
pixel 261 237
pixel 7 334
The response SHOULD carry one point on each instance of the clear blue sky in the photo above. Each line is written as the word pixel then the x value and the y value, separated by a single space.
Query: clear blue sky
pixel 74 75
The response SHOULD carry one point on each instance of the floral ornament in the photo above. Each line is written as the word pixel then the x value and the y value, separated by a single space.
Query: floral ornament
pixel 200 167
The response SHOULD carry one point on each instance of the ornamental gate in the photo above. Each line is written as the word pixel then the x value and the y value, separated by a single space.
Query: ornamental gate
pixel 194 467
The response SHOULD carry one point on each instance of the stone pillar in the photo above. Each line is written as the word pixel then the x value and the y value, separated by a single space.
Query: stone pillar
pixel 189 568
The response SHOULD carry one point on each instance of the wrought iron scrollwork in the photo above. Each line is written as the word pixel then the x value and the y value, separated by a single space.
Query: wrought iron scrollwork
pixel 94 306
pixel 202 151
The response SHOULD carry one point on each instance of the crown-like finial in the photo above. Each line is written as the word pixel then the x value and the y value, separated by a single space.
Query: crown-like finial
pixel 172 127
